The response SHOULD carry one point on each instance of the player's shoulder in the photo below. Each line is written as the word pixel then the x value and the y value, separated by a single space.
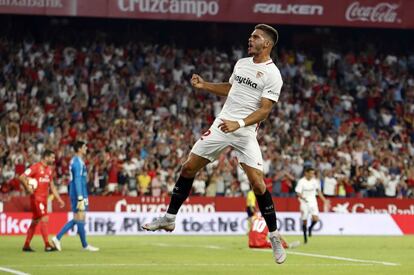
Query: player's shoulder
pixel 244 61
pixel 35 166
pixel 302 179
pixel 271 68
pixel 75 160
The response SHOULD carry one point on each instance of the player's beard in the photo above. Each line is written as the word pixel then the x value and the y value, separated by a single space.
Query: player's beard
pixel 254 50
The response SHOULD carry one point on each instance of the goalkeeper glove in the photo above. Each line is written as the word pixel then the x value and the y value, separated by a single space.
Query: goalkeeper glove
pixel 81 204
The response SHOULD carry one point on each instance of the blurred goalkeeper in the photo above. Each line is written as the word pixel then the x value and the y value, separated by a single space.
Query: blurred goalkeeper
pixel 78 192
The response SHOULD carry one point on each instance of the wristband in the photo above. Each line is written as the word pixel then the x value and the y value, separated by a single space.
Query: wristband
pixel 80 198
pixel 241 123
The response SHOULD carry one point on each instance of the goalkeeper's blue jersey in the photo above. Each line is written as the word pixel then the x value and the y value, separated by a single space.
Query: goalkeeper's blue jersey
pixel 78 178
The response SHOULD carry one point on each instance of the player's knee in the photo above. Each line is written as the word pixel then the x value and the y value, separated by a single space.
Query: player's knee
pixel 189 170
pixel 45 219
pixel 258 186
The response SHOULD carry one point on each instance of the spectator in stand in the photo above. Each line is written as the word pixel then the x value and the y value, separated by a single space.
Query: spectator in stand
pixel 329 184
pixel 144 181
pixel 199 185
pixel 130 99
pixel 391 185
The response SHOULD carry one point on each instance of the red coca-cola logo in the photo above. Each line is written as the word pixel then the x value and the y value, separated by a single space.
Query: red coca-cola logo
pixel 382 12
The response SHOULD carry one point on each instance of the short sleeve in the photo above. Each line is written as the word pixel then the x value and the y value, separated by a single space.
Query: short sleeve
pixel 231 79
pixel 298 188
pixel 273 86
pixel 29 172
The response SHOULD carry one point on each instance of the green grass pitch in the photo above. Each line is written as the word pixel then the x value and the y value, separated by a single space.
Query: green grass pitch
pixel 211 255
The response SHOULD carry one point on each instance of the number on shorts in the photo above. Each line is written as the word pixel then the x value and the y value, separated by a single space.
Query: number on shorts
pixel 207 133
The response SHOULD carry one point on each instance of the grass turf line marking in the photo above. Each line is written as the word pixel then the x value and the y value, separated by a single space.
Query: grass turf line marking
pixel 335 258
pixel 12 271
pixel 182 264
pixel 188 246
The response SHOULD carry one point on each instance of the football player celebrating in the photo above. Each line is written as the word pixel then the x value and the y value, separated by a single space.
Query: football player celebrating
pixel 42 174
pixel 252 90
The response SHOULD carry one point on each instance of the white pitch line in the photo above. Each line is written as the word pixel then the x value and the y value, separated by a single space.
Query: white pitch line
pixel 181 264
pixel 12 271
pixel 336 258
pixel 188 246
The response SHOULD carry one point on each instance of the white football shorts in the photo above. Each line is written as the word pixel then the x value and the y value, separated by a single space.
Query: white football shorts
pixel 243 141
pixel 308 209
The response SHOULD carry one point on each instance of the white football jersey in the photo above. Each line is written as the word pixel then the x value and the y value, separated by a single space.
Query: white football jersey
pixel 250 82
pixel 308 188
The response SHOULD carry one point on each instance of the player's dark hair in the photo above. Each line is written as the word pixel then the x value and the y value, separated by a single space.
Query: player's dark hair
pixel 47 153
pixel 308 169
pixel 270 31
pixel 78 145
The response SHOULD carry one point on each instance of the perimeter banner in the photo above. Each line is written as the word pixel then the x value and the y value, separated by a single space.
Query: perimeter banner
pixel 218 223
pixel 195 204
pixel 362 13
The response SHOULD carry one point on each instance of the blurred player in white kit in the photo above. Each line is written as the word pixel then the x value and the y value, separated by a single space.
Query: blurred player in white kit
pixel 306 189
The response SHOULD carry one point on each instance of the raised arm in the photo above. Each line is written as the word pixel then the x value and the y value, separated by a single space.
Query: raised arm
pixel 220 89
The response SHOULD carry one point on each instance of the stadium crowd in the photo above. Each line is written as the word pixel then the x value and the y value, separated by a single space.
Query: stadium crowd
pixel 352 118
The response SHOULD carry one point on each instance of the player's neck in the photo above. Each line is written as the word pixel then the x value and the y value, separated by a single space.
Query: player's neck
pixel 80 155
pixel 43 162
pixel 261 58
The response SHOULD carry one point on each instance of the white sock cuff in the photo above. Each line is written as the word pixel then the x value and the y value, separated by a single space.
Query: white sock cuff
pixel 274 233
pixel 170 216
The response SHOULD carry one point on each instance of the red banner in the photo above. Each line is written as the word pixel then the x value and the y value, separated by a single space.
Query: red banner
pixel 18 223
pixel 222 204
pixel 362 13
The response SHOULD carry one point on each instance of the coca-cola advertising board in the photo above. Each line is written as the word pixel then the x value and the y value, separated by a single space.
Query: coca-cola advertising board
pixel 362 13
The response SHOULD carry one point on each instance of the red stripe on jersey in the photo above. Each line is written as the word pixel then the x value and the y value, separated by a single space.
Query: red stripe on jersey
pixel 269 63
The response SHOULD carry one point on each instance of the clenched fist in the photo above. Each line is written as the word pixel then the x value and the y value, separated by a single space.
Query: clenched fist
pixel 197 81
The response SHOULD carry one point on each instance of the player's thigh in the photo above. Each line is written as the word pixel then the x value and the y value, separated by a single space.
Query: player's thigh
pixel 304 212
pixel 194 163
pixel 255 177
pixel 39 209
pixel 314 212
pixel 248 151
pixel 211 143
